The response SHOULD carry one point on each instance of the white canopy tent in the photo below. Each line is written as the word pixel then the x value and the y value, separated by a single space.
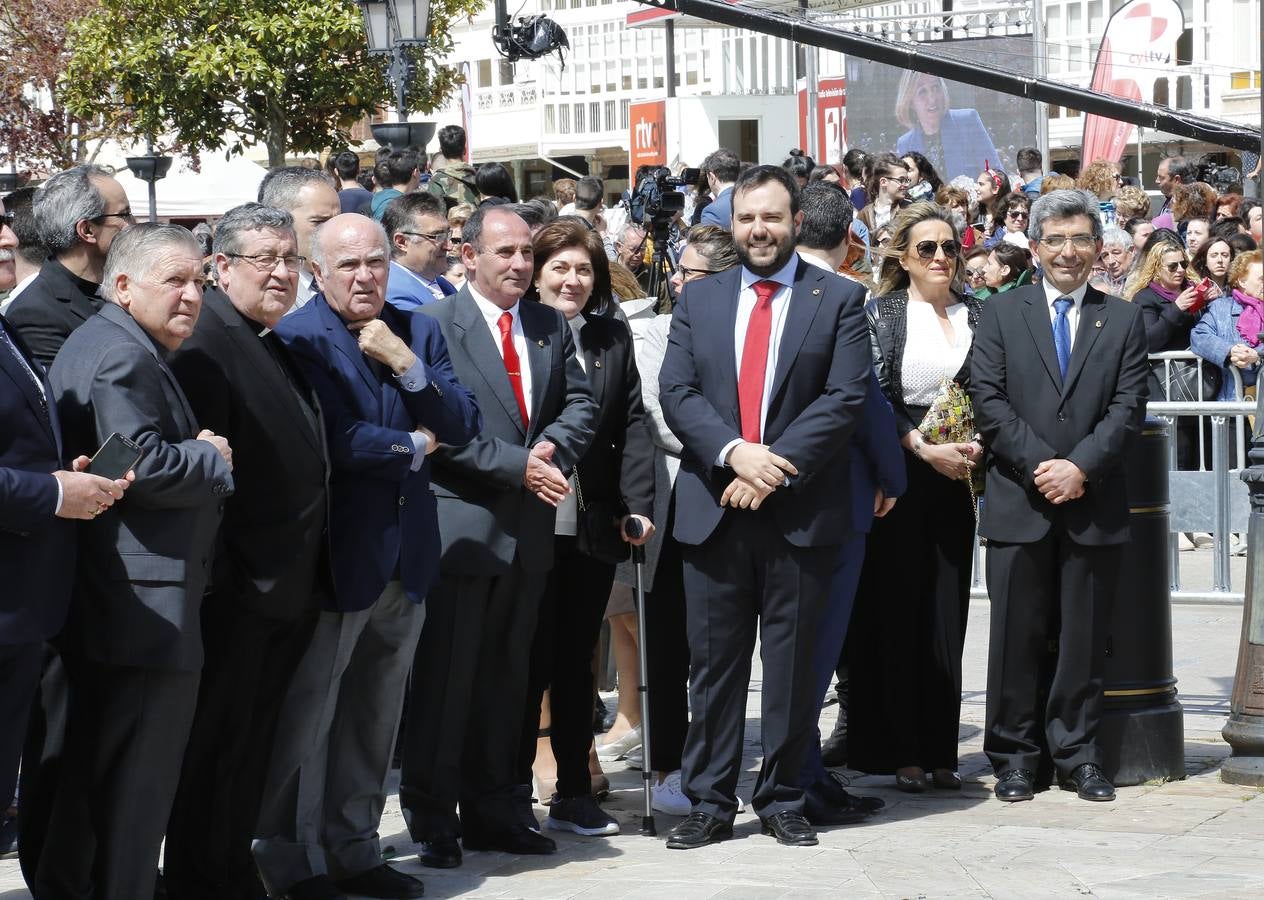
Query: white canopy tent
pixel 184 193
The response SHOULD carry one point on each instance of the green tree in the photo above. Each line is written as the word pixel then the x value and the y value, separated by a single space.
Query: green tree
pixel 294 75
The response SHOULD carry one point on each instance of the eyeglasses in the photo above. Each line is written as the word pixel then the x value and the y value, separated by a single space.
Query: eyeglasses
pixel 124 214
pixel 926 249
pixel 974 274
pixel 508 253
pixel 438 238
pixel 689 274
pixel 1174 266
pixel 901 179
pixel 1078 241
pixel 1016 214
pixel 266 262
pixel 6 220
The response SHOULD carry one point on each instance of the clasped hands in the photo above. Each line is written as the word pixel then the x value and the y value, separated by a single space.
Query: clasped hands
pixel 1242 356
pixel 759 473
pixel 543 477
pixel 1059 480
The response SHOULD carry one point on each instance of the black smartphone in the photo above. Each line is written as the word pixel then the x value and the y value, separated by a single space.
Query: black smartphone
pixel 117 456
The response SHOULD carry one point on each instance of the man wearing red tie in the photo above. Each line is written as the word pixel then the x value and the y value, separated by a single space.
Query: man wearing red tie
pixel 763 382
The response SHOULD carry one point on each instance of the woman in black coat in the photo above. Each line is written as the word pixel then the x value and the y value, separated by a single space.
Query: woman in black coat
pixel 612 483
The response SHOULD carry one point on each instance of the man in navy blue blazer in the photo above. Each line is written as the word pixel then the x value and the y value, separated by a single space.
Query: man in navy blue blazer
pixel 722 168
pixel 38 501
pixel 876 467
pixel 417 226
pixel 764 382
pixel 389 397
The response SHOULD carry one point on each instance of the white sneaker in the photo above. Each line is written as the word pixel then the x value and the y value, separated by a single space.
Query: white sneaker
pixel 668 798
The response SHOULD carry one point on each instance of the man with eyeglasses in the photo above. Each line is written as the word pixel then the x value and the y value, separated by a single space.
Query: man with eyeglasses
pixel 1058 379
pixel 497 499
pixel 420 240
pixel 79 212
pixel 388 397
pixel 271 572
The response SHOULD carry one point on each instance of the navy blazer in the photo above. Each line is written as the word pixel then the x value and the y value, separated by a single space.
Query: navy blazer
pixel 37 550
pixel 965 141
pixel 875 457
pixel 818 394
pixel 378 505
pixel 720 210
pixel 407 294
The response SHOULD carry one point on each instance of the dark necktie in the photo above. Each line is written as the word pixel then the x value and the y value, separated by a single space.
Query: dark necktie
pixel 25 367
pixel 754 365
pixel 1062 333
pixel 513 368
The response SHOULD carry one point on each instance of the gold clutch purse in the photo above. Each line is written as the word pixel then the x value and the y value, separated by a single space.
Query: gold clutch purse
pixel 950 420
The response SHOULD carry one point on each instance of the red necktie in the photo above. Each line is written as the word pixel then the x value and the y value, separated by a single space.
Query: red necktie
pixel 750 379
pixel 513 368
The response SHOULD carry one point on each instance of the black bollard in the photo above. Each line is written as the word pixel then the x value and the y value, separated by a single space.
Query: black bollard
pixel 1142 728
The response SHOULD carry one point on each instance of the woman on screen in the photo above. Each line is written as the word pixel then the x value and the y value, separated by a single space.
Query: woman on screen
pixel 954 140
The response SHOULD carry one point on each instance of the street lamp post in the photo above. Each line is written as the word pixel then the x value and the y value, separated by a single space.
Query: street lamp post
pixel 150 168
pixel 394 28
pixel 1245 730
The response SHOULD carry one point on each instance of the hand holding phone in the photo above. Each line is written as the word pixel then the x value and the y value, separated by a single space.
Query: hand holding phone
pixel 117 456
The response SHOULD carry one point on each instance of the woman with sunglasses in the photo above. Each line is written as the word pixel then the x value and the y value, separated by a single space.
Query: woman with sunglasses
pixel 907 632
pixel 973 272
pixel 1012 213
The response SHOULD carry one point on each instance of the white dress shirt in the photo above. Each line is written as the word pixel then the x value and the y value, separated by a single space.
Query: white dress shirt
pixel 306 290
pixel 491 315
pixel 17 289
pixel 1073 314
pixel 746 299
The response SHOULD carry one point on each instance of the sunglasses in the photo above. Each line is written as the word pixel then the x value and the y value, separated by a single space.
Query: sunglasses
pixel 926 249
pixel 1017 214
pixel 974 273
pixel 1174 266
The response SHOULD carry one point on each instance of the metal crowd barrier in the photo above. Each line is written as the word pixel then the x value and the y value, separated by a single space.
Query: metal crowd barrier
pixel 1225 423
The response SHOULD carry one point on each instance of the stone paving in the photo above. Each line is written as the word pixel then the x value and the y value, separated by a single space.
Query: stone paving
pixel 1193 838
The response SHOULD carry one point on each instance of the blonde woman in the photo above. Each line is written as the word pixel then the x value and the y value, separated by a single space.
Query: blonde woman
pixel 954 140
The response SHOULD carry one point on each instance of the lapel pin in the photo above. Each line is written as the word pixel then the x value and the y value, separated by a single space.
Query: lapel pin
pixel 597 363
pixel 1098 323
pixel 540 342
pixel 816 290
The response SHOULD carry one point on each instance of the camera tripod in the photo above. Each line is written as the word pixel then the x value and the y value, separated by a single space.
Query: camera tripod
pixel 661 266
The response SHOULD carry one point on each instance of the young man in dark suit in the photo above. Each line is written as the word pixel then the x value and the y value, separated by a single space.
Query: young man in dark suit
pixel 38 500
pixel 1058 381
pixel 272 570
pixel 132 646
pixel 388 397
pixel 764 381
pixel 497 497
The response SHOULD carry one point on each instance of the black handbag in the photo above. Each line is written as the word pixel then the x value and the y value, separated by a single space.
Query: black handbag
pixel 1183 381
pixel 597 532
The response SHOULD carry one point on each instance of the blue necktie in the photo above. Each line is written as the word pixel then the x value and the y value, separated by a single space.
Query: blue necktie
pixel 1062 333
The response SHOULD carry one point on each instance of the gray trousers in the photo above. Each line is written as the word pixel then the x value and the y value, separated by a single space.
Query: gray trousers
pixel 326 784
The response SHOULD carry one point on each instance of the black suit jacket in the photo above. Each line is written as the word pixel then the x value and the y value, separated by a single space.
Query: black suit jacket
pixel 143 564
pixel 486 513
pixel 51 307
pixel 818 394
pixel 37 550
pixel 1027 415
pixel 619 464
pixel 271 557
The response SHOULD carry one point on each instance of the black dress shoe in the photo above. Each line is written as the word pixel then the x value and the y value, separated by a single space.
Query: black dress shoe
pixel 911 784
pixel 790 828
pixel 319 887
pixel 440 853
pixel 514 838
pixel 945 780
pixel 835 790
pixel 820 812
pixel 1015 785
pixel 385 882
pixel 698 830
pixel 1089 783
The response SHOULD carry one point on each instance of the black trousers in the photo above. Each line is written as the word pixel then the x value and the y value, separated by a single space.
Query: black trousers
pixel 1051 591
pixel 908 629
pixel 667 657
pixel 19 677
pixel 125 735
pixel 469 688
pixel 571 611
pixel 249 661
pixel 747 576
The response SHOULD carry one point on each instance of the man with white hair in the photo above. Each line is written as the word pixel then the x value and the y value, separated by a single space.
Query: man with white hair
pixel 132 647
pixel 79 213
pixel 389 397
pixel 1116 258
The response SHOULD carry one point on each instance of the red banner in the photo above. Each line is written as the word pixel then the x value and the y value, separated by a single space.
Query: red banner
pixel 1139 43
pixel 648 121
pixel 831 120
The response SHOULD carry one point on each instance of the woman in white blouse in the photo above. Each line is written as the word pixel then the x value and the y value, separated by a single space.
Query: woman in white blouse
pixel 906 637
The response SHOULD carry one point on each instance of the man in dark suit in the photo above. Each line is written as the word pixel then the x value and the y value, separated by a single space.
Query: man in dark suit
pixel 80 212
pixel 420 240
pixel 388 397
pixel 38 500
pixel 764 381
pixel 722 168
pixel 876 467
pixel 272 569
pixel 132 647
pixel 497 497
pixel 1058 381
